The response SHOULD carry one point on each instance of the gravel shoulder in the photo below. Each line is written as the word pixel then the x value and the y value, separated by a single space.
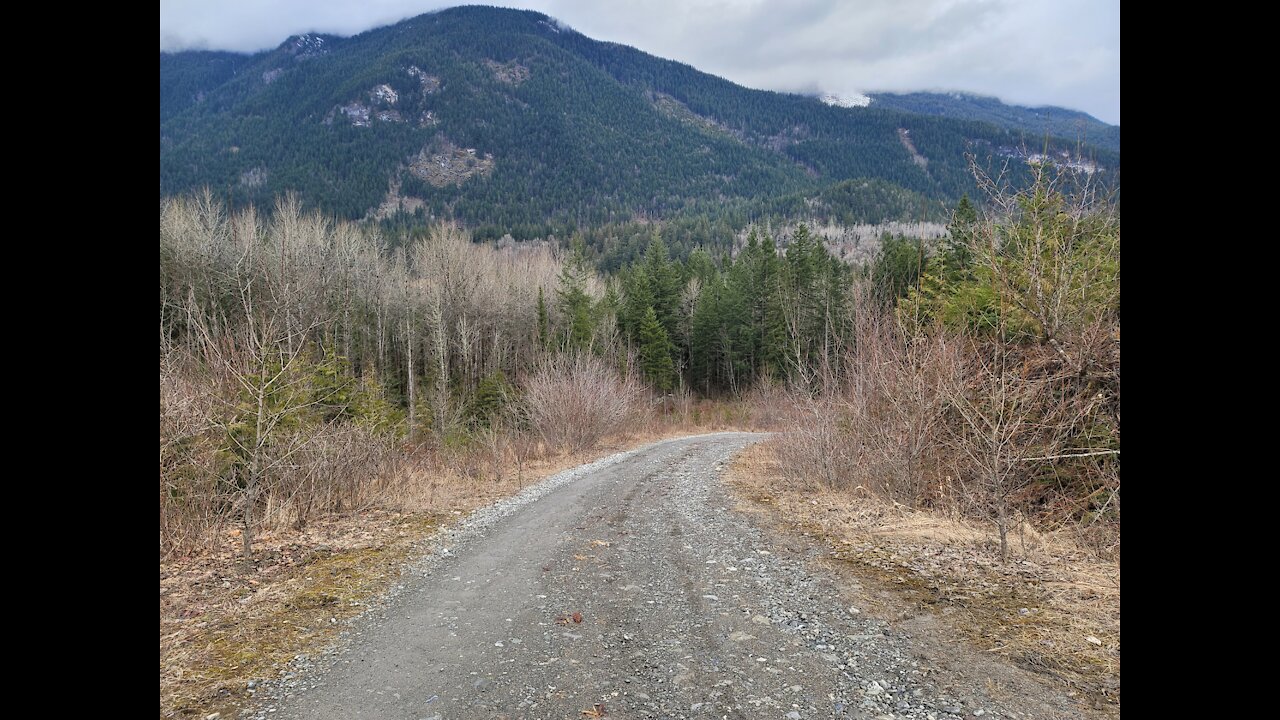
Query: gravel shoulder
pixel 630 588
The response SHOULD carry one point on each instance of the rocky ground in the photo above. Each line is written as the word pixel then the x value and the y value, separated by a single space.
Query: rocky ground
pixel 629 588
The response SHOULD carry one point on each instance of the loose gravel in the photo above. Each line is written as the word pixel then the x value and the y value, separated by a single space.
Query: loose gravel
pixel 628 588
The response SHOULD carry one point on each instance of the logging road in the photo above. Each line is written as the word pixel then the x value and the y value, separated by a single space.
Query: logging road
pixel 630 588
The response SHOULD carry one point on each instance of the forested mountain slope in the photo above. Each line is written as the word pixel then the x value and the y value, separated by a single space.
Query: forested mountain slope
pixel 512 123
pixel 1035 121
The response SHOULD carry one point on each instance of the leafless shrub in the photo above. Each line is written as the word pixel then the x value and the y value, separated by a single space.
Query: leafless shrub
pixel 1007 421
pixel 191 500
pixel 768 405
pixel 339 468
pixel 525 445
pixel 818 449
pixel 299 474
pixel 877 429
pixel 573 400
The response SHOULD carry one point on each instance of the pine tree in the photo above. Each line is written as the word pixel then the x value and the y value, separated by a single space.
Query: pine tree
pixel 804 299
pixel 664 282
pixel 575 303
pixel 490 398
pixel 701 266
pixel 637 301
pixel 897 267
pixel 770 315
pixel 738 331
pixel 655 353
pixel 705 337
pixel 957 250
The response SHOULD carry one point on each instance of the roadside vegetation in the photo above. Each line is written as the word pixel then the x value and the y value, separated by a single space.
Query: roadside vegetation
pixel 330 395
pixel 963 452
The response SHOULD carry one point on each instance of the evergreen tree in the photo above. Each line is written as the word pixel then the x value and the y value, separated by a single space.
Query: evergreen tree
pixel 804 294
pixel 705 336
pixel 638 299
pixel 957 250
pixel 489 400
pixel 655 353
pixel 770 315
pixel 575 303
pixel 664 282
pixel 897 267
pixel 701 266
pixel 738 335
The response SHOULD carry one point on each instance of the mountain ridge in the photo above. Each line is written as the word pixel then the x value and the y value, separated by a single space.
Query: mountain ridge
pixel 461 110
pixel 1043 119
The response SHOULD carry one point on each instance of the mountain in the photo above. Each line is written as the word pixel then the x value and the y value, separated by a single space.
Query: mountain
pixel 1035 121
pixel 513 123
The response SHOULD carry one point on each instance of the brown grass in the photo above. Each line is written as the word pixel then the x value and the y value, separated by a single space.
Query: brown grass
pixel 1039 610
pixel 222 625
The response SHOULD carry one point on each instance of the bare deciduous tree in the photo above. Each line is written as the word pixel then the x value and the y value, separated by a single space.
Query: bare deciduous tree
pixel 261 359
pixel 1007 419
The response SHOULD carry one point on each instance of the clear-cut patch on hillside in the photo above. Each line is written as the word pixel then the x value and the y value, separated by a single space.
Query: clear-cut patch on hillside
pixel 394 203
pixel 430 83
pixel 355 113
pixel 380 106
pixel 673 108
pixel 904 135
pixel 384 93
pixel 449 164
pixel 511 73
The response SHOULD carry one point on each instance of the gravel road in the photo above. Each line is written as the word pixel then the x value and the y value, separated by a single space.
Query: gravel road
pixel 629 588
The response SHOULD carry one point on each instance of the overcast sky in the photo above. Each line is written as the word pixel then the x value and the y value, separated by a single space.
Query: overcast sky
pixel 1030 52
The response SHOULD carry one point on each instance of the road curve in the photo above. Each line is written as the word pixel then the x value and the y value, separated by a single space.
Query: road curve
pixel 630 588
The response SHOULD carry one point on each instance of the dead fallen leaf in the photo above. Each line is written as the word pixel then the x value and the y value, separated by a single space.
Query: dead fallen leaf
pixel 577 617
pixel 595 711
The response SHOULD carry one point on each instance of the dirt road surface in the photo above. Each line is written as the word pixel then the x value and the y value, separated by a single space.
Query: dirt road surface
pixel 630 588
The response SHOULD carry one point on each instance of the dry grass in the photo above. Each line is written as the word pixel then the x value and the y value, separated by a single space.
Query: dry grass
pixel 1039 610
pixel 222 625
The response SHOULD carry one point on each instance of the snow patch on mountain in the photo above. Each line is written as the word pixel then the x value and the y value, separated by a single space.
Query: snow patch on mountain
pixel 845 100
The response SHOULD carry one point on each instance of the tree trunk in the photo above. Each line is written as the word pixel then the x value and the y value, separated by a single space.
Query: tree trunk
pixel 255 470
pixel 1002 524
pixel 442 369
pixel 413 406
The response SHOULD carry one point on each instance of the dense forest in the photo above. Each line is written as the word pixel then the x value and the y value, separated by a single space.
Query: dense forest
pixel 1035 121
pixel 512 125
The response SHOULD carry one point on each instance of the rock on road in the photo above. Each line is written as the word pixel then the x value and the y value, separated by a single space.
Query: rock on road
pixel 628 586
